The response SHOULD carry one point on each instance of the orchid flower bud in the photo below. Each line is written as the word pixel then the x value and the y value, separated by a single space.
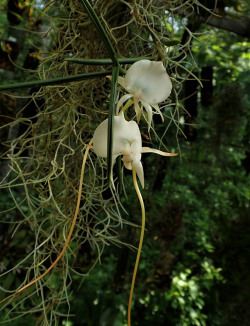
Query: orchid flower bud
pixel 126 142
pixel 148 83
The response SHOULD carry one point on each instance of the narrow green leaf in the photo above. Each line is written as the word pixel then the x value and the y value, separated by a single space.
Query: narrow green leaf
pixel 120 174
pixel 55 81
pixel 95 20
pixel 107 61
pixel 115 73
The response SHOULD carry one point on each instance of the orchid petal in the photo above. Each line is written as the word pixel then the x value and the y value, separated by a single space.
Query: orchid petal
pixel 156 151
pixel 128 131
pixel 100 139
pixel 121 81
pixel 139 171
pixel 137 110
pixel 149 112
pixel 114 157
pixel 125 134
pixel 128 165
pixel 157 109
pixel 151 78
pixel 136 148
pixel 123 99
pixel 101 135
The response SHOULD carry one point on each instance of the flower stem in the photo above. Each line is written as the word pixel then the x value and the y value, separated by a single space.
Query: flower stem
pixel 140 242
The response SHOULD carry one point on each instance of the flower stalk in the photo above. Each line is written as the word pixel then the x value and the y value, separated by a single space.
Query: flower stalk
pixel 143 215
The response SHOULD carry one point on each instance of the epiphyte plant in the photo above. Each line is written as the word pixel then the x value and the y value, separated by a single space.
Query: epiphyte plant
pixel 142 84
pixel 127 142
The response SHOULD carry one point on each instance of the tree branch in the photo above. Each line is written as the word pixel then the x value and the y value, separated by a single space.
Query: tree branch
pixel 239 25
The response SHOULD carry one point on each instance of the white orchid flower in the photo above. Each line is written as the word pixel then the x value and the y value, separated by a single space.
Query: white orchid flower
pixel 147 82
pixel 127 142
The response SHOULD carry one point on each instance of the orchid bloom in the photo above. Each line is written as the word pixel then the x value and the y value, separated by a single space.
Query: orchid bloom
pixel 147 82
pixel 127 142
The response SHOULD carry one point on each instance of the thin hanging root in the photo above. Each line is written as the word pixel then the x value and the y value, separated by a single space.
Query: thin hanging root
pixel 70 231
pixel 140 243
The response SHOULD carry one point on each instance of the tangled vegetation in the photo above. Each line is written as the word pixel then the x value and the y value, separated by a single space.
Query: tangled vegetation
pixel 42 163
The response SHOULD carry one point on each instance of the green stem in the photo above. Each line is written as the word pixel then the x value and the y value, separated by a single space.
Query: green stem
pixel 115 73
pixel 95 20
pixel 107 61
pixel 54 81
pixel 120 174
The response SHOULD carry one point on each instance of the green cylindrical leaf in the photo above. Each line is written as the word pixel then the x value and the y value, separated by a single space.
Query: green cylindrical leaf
pixel 120 174
pixel 115 73
pixel 95 20
pixel 107 61
pixel 55 81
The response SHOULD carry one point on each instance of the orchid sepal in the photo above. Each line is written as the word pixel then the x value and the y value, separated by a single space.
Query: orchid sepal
pixel 157 151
